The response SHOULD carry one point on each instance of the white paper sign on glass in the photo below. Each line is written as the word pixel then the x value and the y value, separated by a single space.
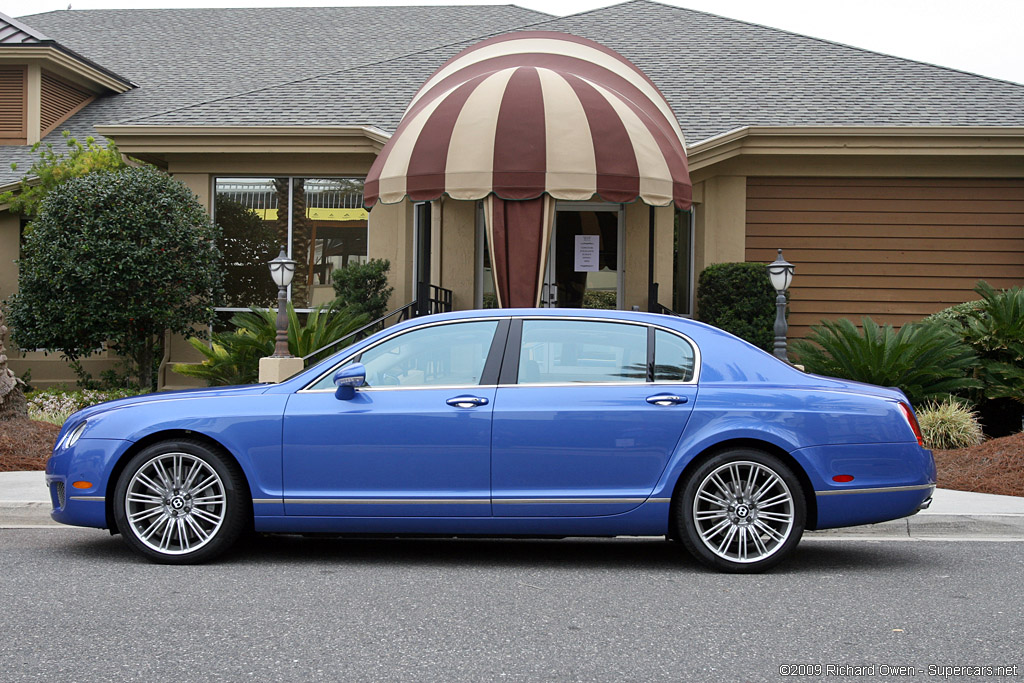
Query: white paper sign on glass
pixel 587 250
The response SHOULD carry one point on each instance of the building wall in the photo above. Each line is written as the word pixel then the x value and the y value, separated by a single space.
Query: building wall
pixel 895 249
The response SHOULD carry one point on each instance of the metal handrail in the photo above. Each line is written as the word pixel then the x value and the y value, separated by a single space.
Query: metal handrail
pixel 404 316
pixel 431 299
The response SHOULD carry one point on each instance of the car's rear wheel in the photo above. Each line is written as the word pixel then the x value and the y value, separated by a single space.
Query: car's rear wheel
pixel 741 511
pixel 180 502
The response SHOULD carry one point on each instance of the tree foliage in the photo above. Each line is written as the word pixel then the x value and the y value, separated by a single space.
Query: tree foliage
pixel 364 287
pixel 234 357
pixel 927 362
pixel 52 167
pixel 116 257
pixel 246 245
pixel 738 298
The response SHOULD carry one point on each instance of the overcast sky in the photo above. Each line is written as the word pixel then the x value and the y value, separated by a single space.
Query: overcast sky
pixel 980 36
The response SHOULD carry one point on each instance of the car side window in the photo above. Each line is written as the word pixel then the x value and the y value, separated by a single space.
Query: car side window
pixel 569 351
pixel 673 358
pixel 439 355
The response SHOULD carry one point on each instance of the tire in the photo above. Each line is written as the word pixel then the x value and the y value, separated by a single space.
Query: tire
pixel 741 511
pixel 181 502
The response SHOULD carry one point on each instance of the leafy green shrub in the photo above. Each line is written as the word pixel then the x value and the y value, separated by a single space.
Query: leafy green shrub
pixel 602 300
pixel 115 257
pixel 996 333
pixel 234 357
pixel 949 424
pixel 57 405
pixel 925 361
pixel 364 287
pixel 956 317
pixel 738 298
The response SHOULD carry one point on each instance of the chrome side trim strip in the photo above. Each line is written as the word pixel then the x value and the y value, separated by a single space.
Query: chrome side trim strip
pixel 881 489
pixel 91 499
pixel 455 501
pixel 560 501
pixel 387 501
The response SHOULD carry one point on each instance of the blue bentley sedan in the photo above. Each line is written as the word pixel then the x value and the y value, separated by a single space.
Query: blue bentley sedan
pixel 518 422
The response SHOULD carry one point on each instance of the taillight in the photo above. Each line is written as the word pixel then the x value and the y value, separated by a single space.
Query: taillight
pixel 908 414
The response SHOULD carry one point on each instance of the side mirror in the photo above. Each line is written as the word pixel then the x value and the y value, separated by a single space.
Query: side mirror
pixel 347 379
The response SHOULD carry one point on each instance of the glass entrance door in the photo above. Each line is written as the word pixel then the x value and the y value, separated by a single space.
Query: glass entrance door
pixel 584 268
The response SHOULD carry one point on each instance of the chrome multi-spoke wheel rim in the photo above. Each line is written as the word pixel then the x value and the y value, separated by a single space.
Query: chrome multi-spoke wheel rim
pixel 743 511
pixel 175 503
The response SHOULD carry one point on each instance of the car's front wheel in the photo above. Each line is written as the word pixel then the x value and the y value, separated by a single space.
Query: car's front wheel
pixel 180 502
pixel 741 511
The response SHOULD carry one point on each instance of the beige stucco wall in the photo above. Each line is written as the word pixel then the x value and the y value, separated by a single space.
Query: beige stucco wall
pixel 457 255
pixel 390 237
pixel 720 221
pixel 10 239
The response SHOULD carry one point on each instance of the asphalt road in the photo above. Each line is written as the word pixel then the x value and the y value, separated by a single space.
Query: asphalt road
pixel 76 606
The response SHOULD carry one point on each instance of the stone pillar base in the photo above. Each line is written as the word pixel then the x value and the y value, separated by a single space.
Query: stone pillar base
pixel 274 370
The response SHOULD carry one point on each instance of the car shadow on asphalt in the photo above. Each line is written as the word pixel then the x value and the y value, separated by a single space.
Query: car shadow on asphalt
pixel 621 553
pixel 646 554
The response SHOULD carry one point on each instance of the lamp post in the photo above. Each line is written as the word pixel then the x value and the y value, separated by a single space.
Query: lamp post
pixel 282 269
pixel 780 272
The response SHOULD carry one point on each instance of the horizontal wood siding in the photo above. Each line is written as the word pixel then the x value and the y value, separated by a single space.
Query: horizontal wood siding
pixel 13 96
pixel 892 249
pixel 60 100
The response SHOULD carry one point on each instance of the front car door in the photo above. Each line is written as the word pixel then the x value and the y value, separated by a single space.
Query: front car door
pixel 414 442
pixel 587 415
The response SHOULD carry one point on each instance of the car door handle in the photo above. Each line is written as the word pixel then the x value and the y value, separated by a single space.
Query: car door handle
pixel 467 401
pixel 666 400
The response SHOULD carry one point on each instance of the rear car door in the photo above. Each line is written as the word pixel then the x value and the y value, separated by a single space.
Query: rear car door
pixel 587 414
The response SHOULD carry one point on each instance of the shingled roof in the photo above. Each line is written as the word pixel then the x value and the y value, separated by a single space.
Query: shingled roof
pixel 272 67
pixel 183 56
pixel 13 32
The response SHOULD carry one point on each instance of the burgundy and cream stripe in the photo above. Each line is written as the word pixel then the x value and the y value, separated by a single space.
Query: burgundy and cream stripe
pixel 525 114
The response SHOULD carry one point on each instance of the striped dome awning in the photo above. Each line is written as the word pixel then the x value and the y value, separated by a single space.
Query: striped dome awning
pixel 529 113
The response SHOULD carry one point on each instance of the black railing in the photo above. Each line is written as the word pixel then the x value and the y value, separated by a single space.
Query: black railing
pixel 655 306
pixel 431 299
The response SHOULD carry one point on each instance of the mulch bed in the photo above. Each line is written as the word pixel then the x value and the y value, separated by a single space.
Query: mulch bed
pixel 25 444
pixel 996 466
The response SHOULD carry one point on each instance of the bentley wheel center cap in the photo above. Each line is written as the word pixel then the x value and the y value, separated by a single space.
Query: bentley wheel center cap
pixel 742 511
pixel 177 503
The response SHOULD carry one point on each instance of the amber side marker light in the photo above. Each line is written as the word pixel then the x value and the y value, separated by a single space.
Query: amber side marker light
pixel 908 414
pixel 82 484
pixel 843 478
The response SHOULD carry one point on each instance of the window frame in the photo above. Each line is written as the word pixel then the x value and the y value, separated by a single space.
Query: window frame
pixel 487 377
pixel 513 346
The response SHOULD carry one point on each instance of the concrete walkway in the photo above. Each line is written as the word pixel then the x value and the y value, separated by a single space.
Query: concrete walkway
pixel 25 502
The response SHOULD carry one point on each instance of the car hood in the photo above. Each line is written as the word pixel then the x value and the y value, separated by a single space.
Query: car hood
pixel 183 394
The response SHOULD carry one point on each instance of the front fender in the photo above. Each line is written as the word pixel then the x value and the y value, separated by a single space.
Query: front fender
pixel 248 426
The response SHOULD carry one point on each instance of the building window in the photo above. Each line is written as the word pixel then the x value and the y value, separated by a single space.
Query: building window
pixel 320 221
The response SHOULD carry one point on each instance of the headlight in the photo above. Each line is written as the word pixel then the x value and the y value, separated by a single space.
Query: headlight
pixel 73 435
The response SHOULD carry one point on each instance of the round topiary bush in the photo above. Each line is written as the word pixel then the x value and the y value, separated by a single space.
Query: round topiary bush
pixel 738 298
